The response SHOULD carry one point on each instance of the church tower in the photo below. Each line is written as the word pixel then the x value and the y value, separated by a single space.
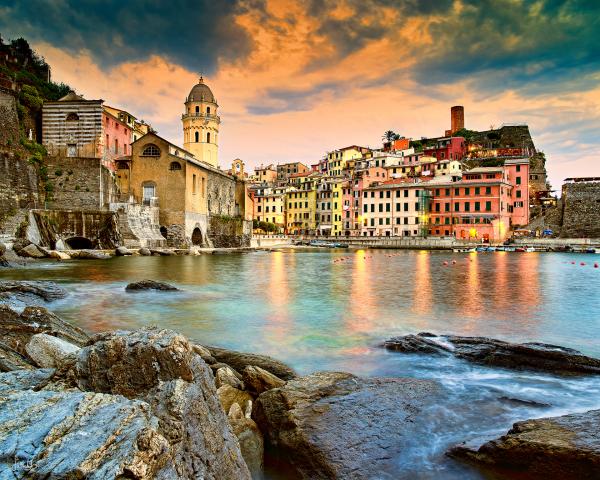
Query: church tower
pixel 201 124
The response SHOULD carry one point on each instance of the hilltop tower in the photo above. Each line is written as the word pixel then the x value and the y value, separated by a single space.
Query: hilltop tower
pixel 201 124
pixel 457 119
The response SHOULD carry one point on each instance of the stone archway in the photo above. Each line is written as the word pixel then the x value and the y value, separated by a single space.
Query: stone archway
pixel 79 243
pixel 164 232
pixel 197 238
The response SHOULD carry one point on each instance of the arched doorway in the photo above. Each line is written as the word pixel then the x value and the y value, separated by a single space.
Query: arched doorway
pixel 163 231
pixel 196 237
pixel 79 243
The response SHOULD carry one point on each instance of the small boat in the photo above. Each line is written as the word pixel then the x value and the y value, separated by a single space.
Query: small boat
pixel 520 249
pixel 509 249
pixel 500 249
pixel 481 249
pixel 340 245
pixel 491 249
pixel 529 249
pixel 590 250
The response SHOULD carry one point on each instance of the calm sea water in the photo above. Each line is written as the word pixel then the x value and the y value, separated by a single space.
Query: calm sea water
pixel 328 310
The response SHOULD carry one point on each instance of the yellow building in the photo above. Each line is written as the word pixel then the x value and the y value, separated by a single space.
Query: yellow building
pixel 201 124
pixel 269 206
pixel 329 206
pixel 336 160
pixel 301 208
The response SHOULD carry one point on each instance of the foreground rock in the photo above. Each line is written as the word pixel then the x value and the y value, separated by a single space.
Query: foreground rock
pixel 48 351
pixel 336 425
pixel 240 360
pixel 89 255
pixel 122 251
pixel 11 360
pixel 161 368
pixel 258 380
pixel 17 329
pixel 150 285
pixel 250 438
pixel 488 351
pixel 145 252
pixel 560 448
pixel 31 251
pixel 71 434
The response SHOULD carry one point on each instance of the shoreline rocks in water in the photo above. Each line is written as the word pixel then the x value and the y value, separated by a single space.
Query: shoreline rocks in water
pixel 566 447
pixel 337 425
pixel 497 353
pixel 150 285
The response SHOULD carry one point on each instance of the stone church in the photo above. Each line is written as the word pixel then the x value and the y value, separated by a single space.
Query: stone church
pixel 199 204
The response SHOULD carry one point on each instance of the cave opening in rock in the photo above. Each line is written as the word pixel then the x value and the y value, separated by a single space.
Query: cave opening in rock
pixel 79 243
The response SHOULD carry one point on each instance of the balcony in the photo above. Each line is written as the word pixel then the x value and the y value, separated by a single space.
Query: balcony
pixel 200 115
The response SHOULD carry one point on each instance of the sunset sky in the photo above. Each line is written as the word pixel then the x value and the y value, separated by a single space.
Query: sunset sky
pixel 295 79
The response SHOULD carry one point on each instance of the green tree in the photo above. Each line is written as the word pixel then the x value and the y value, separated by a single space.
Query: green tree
pixel 390 136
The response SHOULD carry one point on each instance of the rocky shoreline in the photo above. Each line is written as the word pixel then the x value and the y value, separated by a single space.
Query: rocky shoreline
pixel 151 403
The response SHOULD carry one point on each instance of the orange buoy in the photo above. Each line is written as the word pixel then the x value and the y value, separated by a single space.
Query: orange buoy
pixel 445 263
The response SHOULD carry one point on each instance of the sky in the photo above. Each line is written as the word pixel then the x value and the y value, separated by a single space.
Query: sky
pixel 296 79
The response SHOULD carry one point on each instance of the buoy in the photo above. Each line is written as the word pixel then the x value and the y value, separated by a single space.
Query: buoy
pixel 596 265
pixel 582 264
pixel 453 262
pixel 572 263
pixel 445 263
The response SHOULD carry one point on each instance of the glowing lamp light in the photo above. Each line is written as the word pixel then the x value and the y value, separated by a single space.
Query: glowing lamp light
pixel 472 233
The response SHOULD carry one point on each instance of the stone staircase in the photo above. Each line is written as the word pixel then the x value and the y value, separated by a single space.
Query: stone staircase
pixel 9 226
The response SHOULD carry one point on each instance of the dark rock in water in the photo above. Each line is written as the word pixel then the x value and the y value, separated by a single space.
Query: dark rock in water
pixel 161 252
pixel 17 329
pixel 523 402
pixel 161 368
pixel 559 448
pixel 336 425
pixel 122 251
pixel 10 359
pixel 71 434
pixel 150 285
pixel 240 360
pixel 488 351
pixel 47 291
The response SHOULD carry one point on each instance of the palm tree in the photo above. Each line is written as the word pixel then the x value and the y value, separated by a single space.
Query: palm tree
pixel 390 136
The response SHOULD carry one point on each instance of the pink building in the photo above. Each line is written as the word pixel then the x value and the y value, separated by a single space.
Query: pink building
pixel 479 207
pixel 116 140
pixel 449 148
pixel 518 177
pixel 352 197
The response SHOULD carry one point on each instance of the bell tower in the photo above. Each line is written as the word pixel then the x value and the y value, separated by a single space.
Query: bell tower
pixel 201 124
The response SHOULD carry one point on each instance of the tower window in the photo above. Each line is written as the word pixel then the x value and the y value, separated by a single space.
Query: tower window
pixel 197 136
pixel 197 109
pixel 208 137
pixel 208 110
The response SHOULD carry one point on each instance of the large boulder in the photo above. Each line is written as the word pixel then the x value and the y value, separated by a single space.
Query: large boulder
pixel 145 252
pixel 71 434
pixel 258 380
pixel 161 368
pixel 89 255
pixel 488 351
pixel 17 329
pixel 122 251
pixel 336 425
pixel 150 285
pixel 58 255
pixel 240 360
pixel 226 376
pixel 558 448
pixel 48 351
pixel 31 251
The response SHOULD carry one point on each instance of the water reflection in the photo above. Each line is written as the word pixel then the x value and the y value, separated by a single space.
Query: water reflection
pixel 422 291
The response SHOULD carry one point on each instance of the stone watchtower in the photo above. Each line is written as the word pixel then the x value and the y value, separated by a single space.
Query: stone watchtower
pixel 201 124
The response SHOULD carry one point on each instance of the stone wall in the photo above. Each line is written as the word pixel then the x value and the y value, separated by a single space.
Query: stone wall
pixel 77 183
pixel 221 194
pixel 581 210
pixel 139 225
pixel 58 228
pixel 229 232
pixel 9 120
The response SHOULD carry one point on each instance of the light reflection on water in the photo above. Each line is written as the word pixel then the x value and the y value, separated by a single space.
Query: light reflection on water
pixel 319 312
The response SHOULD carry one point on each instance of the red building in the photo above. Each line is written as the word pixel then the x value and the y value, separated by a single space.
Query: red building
pixel 449 148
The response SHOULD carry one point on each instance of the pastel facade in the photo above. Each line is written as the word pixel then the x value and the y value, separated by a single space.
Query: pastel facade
pixel 270 207
pixel 301 210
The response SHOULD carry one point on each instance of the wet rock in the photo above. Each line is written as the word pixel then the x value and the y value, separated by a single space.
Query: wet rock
pixel 47 291
pixel 205 354
pixel 488 351
pixel 57 435
pixel 17 329
pixel 161 252
pixel 19 380
pixel 258 380
pixel 122 251
pixel 566 447
pixel 58 255
pixel 150 285
pixel 31 251
pixel 251 439
pixel 48 351
pixel 89 255
pixel 226 376
pixel 523 402
pixel 240 360
pixel 145 252
pixel 11 360
pixel 337 425
pixel 161 368
pixel 229 395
